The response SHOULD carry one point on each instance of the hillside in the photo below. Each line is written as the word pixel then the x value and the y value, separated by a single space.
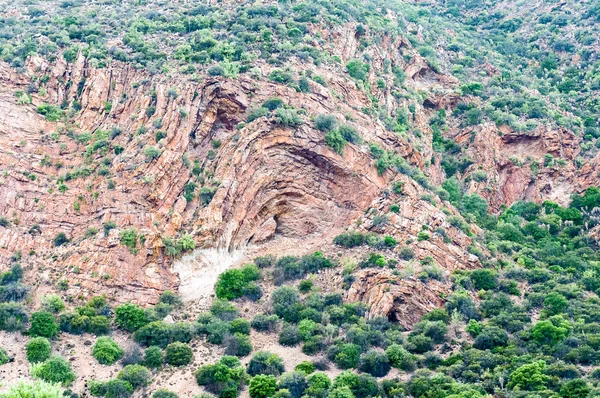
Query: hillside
pixel 392 198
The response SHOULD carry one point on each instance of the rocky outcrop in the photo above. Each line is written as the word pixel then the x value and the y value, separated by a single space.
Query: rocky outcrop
pixel 400 300
pixel 266 179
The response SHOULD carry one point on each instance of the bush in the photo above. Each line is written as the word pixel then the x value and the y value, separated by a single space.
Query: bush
pixel 60 239
pixel 178 354
pixel 4 358
pixel 290 335
pixel 357 69
pixel 306 367
pixel 264 322
pixel 294 382
pixel 224 310
pixel 111 389
pixel 136 375
pixel 400 358
pixel 155 333
pixel 153 357
pixel 130 317
pixel 53 303
pixel 43 324
pixel 375 363
pixel 37 389
pixel 263 386
pixel 223 378
pixel 107 351
pixel 335 141
pixel 325 123
pixel 239 325
pixel 484 279
pixel 38 349
pixel 265 363
pixel 346 356
pixel 232 284
pixel 164 394
pixel 237 344
pixel 491 337
pixel 54 370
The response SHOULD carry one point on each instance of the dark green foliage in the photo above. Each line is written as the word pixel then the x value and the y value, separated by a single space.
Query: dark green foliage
pixel 4 358
pixel 178 354
pixel 115 388
pixel 266 363
pixel 357 69
pixel 130 317
pixel 294 382
pixel 375 363
pixel 155 333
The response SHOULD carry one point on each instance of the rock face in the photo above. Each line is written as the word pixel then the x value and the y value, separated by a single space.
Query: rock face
pixel 162 155
pixel 266 179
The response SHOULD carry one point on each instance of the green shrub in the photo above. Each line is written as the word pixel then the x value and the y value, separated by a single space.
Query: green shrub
pixel 290 335
pixel 400 358
pixel 267 363
pixel 153 357
pixel 294 382
pixel 130 317
pixel 375 363
pixel 54 370
pixel 111 389
pixel 224 378
pixel 53 303
pixel 37 389
pixel 232 284
pixel 263 386
pixel 264 323
pixel 326 123
pixel 164 394
pixel 306 367
pixel 155 333
pixel 136 375
pixel 357 69
pixel 38 349
pixel 43 324
pixel 4 358
pixel 237 344
pixel 107 351
pixel 178 354
pixel 335 141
